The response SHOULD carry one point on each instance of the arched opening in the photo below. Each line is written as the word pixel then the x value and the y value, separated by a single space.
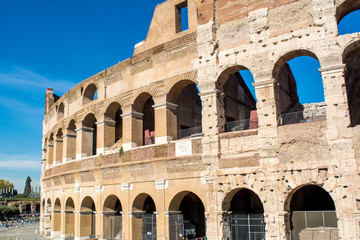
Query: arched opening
pixel 352 80
pixel 50 150
pixel 37 209
pixel 243 217
pixel 113 125
pixel 71 140
pixel 312 214
pixel 239 99
pixel 28 208
pixel 87 218
pixel 186 115
pixel 186 217
pixel 346 24
pixel 144 105
pixel 295 73
pixel 69 218
pixel 58 146
pixel 90 93
pixel 90 134
pixel 56 228
pixel 144 218
pixel 60 113
pixel 112 218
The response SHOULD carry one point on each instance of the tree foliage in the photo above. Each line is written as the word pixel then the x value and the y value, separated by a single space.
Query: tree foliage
pixel 27 189
pixel 8 212
pixel 5 184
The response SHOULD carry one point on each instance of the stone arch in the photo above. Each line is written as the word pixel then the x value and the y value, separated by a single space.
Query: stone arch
pixel 87 217
pixel 172 81
pixel 244 206
pixel 290 110
pixel 58 146
pixel 60 111
pixel 56 224
pixel 90 134
pixel 239 103
pixel 112 217
pixel 344 7
pixel 89 93
pixel 69 217
pixel 351 58
pixel 145 119
pixel 310 211
pixel 113 124
pixel 144 216
pixel 187 216
pixel 184 110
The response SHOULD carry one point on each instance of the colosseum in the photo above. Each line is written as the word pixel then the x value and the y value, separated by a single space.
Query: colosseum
pixel 172 144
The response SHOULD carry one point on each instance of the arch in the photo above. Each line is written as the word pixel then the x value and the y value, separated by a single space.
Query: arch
pixel 90 93
pixel 289 91
pixel 90 131
pixel 184 113
pixel 58 146
pixel 346 26
pixel 143 104
pixel 351 58
pixel 69 217
pixel 112 217
pixel 113 124
pixel 243 215
pixel 57 217
pixel 144 217
pixel 346 7
pixel 239 99
pixel 311 210
pixel 60 111
pixel 87 217
pixel 187 216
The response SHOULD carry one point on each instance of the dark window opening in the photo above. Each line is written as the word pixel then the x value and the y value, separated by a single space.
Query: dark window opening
pixel 181 17
pixel 149 122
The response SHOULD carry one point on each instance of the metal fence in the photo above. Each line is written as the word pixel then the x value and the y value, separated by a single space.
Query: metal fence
pixel 314 225
pixel 247 227
pixel 241 125
pixel 303 116
pixel 190 132
pixel 149 226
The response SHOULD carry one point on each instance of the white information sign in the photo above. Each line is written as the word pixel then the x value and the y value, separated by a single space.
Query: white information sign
pixel 183 148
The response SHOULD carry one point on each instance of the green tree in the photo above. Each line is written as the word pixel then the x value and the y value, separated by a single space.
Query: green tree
pixel 8 212
pixel 27 189
pixel 5 184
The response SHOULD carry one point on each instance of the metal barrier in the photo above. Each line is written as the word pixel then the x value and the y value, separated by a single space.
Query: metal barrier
pixel 190 132
pixel 303 116
pixel 314 225
pixel 241 125
pixel 247 227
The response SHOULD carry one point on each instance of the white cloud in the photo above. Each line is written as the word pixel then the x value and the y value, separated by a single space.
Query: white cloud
pixel 20 162
pixel 24 78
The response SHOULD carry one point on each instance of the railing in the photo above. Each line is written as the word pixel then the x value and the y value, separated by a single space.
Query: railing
pixel 241 125
pixel 314 225
pixel 149 140
pixel 247 227
pixel 303 117
pixel 190 132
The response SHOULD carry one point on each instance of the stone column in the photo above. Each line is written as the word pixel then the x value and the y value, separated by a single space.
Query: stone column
pixel 132 128
pixel 105 135
pixel 84 138
pixel 165 121
pixel 50 155
pixel 58 150
pixel 268 115
pixel 69 145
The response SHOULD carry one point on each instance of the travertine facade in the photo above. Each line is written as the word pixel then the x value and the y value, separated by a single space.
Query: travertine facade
pixel 151 155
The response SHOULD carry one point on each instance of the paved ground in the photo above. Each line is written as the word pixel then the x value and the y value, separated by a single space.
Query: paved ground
pixel 28 232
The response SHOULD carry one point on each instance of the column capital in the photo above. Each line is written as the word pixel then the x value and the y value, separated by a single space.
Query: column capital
pixel 133 114
pixel 333 70
pixel 264 83
pixel 209 92
pixel 107 122
pixel 168 105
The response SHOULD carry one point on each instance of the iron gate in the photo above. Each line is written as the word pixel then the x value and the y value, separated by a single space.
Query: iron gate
pixel 149 226
pixel 176 226
pixel 247 227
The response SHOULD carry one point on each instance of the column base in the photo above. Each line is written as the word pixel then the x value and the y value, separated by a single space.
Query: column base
pixel 128 146
pixel 163 140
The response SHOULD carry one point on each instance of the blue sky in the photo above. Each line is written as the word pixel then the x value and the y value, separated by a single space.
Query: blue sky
pixel 52 43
